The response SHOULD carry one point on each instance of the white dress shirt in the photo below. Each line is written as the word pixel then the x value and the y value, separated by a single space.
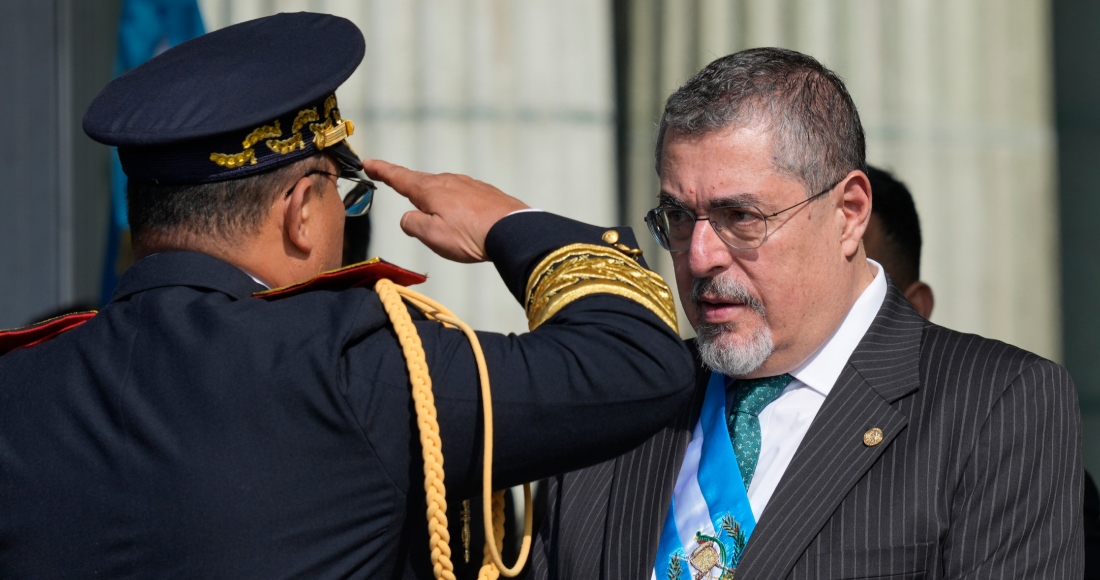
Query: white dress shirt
pixel 784 422
pixel 254 279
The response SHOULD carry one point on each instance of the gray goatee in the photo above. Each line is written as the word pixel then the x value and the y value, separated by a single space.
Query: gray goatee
pixel 715 341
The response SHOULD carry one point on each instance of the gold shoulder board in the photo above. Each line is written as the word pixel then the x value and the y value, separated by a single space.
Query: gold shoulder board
pixel 580 270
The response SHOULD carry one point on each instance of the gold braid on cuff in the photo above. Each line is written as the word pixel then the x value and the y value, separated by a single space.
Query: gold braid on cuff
pixel 580 270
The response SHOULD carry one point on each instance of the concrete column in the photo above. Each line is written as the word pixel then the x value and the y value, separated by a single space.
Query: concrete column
pixel 58 55
pixel 1077 55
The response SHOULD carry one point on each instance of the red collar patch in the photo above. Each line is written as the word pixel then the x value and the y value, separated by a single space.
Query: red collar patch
pixel 354 276
pixel 41 331
pixel 363 274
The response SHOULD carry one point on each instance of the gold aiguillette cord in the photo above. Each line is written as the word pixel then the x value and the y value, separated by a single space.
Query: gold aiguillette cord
pixel 493 503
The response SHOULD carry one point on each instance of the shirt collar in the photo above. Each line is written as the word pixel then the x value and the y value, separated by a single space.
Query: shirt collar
pixel 821 371
pixel 255 279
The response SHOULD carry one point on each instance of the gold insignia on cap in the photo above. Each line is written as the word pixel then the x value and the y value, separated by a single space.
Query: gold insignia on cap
pixel 575 271
pixel 304 116
pixel 327 131
pixel 872 437
pixel 260 133
pixel 284 146
pixel 330 106
pixel 610 236
pixel 234 160
pixel 328 136
pixel 334 129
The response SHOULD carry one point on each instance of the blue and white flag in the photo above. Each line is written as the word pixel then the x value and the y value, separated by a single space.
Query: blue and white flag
pixel 146 28
pixel 710 519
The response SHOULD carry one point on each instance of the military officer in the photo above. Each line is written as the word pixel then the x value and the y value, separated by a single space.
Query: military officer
pixel 203 425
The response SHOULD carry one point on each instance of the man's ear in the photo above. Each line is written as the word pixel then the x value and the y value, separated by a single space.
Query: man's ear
pixel 856 209
pixel 298 209
pixel 920 296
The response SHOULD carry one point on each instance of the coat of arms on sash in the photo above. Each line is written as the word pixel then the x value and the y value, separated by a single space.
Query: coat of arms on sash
pixel 712 557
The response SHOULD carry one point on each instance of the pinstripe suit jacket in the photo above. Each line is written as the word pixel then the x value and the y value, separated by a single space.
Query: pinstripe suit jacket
pixel 979 475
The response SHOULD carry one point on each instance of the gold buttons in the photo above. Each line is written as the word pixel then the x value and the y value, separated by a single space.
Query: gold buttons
pixel 872 437
pixel 611 236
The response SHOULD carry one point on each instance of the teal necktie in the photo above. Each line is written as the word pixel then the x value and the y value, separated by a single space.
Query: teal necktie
pixel 749 397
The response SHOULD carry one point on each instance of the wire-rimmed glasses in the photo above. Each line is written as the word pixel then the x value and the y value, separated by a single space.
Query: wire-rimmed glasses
pixel 356 192
pixel 740 226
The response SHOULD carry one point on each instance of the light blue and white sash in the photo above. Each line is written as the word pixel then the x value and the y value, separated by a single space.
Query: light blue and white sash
pixel 710 519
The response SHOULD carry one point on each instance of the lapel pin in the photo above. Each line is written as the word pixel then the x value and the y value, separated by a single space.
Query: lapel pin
pixel 872 437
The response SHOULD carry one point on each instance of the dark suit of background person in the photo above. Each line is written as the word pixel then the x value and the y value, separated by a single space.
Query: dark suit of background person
pixel 977 476
pixel 893 239
pixel 191 429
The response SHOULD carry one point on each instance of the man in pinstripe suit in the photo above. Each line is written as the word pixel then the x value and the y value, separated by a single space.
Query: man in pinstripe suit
pixel 869 442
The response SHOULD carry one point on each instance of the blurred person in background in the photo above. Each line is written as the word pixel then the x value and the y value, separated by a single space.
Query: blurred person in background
pixel 893 238
pixel 356 239
pixel 835 432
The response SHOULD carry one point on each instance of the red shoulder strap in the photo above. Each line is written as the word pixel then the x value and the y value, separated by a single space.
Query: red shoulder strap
pixel 40 332
pixel 363 274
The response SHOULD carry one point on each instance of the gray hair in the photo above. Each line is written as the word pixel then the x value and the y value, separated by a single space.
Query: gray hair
pixel 815 128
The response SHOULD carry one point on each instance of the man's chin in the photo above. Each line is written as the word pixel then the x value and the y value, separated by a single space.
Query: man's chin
pixel 725 334
pixel 731 350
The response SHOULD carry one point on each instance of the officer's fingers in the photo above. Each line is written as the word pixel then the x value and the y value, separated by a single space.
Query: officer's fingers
pixel 379 169
pixel 443 238
pixel 416 223
pixel 404 181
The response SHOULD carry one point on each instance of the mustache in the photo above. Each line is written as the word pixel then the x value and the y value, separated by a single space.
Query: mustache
pixel 726 289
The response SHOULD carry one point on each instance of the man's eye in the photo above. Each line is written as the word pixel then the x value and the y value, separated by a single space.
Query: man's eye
pixel 735 215
pixel 677 216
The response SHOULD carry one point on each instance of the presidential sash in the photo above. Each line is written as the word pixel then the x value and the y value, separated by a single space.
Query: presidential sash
pixel 710 519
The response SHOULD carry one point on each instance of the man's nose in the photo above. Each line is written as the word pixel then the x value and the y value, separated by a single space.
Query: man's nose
pixel 708 254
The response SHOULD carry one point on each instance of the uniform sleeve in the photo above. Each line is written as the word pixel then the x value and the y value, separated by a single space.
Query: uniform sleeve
pixel 1017 511
pixel 594 380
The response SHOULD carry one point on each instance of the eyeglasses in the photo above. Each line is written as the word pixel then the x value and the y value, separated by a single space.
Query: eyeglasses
pixel 741 226
pixel 357 198
pixel 357 193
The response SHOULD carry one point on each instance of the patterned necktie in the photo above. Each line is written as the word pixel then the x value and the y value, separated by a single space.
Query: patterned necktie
pixel 750 396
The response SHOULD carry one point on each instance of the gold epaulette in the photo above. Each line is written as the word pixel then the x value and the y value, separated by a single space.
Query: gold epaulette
pixel 578 270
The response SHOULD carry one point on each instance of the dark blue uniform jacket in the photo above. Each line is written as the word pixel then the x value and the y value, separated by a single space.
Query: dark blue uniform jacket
pixel 192 430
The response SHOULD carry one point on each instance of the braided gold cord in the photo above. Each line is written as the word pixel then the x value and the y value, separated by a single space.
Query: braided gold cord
pixel 436 494
pixel 489 570
pixel 416 362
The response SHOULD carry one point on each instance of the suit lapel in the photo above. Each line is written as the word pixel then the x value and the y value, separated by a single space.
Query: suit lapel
pixel 833 456
pixel 642 492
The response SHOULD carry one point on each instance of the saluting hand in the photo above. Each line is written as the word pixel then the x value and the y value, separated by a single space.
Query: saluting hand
pixel 453 212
